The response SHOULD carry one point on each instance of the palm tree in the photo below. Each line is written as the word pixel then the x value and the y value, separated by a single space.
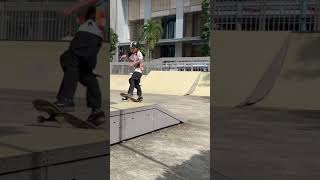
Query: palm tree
pixel 114 41
pixel 151 33
pixel 206 26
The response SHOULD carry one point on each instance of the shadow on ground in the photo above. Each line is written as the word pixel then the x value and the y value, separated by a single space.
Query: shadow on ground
pixel 198 167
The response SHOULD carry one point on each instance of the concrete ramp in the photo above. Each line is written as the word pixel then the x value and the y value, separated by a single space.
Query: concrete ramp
pixel 35 65
pixel 121 82
pixel 203 87
pixel 298 85
pixel 129 120
pixel 170 82
pixel 266 83
pixel 240 61
pixel 252 77
pixel 44 153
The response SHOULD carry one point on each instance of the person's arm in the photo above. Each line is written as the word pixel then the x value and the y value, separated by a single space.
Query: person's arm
pixel 141 62
pixel 125 57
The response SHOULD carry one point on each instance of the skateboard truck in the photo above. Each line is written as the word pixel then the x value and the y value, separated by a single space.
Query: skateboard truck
pixel 57 115
pixel 129 97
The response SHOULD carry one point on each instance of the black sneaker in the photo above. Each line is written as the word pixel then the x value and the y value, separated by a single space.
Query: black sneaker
pixel 65 105
pixel 140 98
pixel 97 117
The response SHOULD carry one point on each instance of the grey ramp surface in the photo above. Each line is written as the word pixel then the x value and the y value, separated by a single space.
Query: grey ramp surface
pixel 297 86
pixel 46 153
pixel 129 120
pixel 240 61
pixel 282 72
pixel 266 83
pixel 26 149
pixel 177 152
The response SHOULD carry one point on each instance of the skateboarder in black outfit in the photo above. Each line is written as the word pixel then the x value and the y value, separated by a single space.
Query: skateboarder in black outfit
pixel 136 59
pixel 78 63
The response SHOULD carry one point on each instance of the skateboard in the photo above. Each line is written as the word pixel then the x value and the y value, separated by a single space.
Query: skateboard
pixel 57 115
pixel 130 98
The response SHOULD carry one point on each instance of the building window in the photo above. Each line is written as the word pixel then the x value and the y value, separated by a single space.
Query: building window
pixel 167 51
pixel 169 27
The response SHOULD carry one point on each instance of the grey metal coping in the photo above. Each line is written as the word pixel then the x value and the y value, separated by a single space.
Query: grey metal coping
pixel 162 41
pixel 128 107
pixel 27 147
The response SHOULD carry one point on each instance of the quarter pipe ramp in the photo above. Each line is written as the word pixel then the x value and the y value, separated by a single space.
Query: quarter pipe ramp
pixel 241 59
pixel 289 80
pixel 298 84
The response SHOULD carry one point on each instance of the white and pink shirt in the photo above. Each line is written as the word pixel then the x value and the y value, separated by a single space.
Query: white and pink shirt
pixel 136 57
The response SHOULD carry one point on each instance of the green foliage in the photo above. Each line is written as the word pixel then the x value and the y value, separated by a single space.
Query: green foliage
pixel 114 41
pixel 205 26
pixel 143 51
pixel 151 33
pixel 205 50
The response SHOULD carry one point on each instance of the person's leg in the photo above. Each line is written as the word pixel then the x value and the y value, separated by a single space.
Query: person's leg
pixel 69 82
pixel 94 98
pixel 131 86
pixel 138 87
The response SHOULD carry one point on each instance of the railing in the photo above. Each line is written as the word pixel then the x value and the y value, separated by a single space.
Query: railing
pixel 267 15
pixel 35 21
pixel 165 64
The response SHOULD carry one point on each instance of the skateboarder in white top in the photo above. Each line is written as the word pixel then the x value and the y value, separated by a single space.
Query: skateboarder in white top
pixel 136 61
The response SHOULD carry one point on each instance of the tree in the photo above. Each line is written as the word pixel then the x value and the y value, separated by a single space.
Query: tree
pixel 113 45
pixel 205 26
pixel 151 33
pixel 143 51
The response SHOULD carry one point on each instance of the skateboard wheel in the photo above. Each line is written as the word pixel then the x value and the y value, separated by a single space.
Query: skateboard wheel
pixel 41 119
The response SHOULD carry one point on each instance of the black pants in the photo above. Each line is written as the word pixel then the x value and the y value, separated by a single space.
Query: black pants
pixel 78 70
pixel 134 82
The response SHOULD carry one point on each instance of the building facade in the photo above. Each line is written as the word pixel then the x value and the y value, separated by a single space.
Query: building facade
pixel 34 20
pixel 267 15
pixel 180 21
pixel 39 20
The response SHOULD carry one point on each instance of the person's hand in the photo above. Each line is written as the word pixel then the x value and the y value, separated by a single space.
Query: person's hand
pixel 66 11
pixel 131 64
pixel 123 58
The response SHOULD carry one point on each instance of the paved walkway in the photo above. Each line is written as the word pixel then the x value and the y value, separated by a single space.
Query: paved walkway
pixel 266 144
pixel 177 152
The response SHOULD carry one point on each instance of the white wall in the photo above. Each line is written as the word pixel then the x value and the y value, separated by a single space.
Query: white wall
pixel 119 21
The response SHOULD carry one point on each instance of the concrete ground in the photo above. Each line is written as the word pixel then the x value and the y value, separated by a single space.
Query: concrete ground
pixel 16 108
pixel 266 144
pixel 16 105
pixel 177 152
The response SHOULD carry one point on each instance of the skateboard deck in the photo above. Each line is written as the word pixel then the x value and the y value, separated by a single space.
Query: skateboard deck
pixel 57 115
pixel 130 98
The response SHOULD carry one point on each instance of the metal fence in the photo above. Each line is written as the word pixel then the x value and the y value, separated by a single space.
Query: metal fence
pixel 267 15
pixel 165 64
pixel 35 21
